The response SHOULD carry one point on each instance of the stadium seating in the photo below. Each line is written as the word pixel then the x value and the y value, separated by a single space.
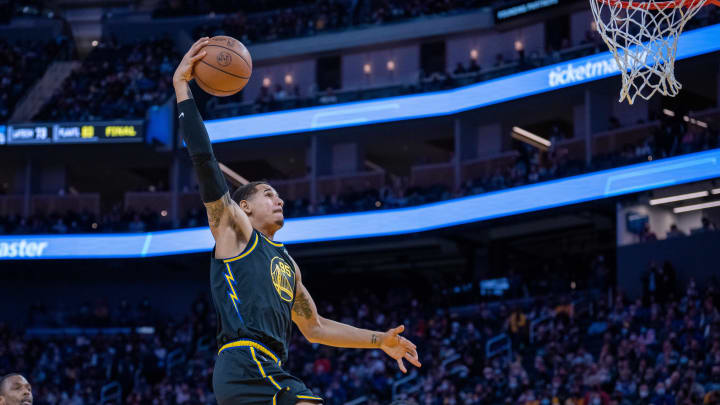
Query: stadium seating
pixel 308 18
pixel 147 211
pixel 662 348
pixel 115 81
pixel 22 63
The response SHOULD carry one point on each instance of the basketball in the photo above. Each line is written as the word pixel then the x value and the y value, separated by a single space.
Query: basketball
pixel 226 68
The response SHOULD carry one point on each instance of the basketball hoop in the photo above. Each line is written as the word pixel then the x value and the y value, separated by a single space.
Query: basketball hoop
pixel 643 36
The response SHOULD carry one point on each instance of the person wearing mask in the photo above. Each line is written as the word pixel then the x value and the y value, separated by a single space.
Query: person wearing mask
pixel 643 395
pixel 661 396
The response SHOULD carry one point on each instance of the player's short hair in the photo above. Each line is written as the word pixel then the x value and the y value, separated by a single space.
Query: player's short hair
pixel 3 379
pixel 246 191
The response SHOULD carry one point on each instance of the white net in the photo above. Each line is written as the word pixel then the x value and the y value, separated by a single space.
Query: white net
pixel 643 36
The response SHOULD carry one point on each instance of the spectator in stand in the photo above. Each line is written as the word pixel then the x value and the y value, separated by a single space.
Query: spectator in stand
pixel 499 60
pixel 707 226
pixel 22 63
pixel 280 94
pixel 530 166
pixel 115 81
pixel 136 225
pixel 459 69
pixel 647 234
pixel 674 232
pixel 618 365
pixel 474 67
pixel 329 97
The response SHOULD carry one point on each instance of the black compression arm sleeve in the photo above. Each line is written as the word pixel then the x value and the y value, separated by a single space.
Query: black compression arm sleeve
pixel 210 178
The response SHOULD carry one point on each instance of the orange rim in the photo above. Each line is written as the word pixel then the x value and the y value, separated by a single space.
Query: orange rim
pixel 659 5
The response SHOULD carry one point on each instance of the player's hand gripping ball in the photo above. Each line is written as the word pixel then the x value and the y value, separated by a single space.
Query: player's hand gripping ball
pixel 226 67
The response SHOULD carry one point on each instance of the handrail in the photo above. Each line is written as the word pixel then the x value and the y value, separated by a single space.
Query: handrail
pixel 505 347
pixel 174 358
pixel 358 400
pixel 535 323
pixel 111 392
pixel 450 360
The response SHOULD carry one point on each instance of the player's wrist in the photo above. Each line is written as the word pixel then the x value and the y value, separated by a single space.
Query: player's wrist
pixel 180 85
pixel 182 91
pixel 382 337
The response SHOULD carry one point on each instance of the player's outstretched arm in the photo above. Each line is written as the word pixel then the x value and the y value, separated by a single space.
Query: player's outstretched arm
pixel 317 329
pixel 228 223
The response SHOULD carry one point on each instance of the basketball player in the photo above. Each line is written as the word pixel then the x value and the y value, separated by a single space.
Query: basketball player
pixel 257 287
pixel 15 390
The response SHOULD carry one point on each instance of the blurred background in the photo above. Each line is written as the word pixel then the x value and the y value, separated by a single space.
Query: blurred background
pixel 458 166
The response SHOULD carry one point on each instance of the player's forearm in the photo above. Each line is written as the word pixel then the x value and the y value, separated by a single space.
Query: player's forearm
pixel 210 179
pixel 332 333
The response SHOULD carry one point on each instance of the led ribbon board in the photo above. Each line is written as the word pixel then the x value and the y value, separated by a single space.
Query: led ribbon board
pixel 73 133
pixel 578 71
pixel 572 190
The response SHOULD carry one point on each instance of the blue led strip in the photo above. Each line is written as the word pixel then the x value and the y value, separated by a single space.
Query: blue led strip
pixel 572 190
pixel 541 80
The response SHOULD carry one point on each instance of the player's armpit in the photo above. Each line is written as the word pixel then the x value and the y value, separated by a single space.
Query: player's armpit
pixel 226 217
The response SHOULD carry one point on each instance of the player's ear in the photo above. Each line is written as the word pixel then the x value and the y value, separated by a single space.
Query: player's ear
pixel 245 206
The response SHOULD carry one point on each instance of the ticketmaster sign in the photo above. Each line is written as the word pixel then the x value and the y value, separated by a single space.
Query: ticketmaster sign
pixel 571 73
pixel 22 249
pixel 545 79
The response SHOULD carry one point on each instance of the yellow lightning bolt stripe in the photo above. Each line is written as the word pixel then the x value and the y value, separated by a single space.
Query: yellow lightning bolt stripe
pixel 274 383
pixel 233 295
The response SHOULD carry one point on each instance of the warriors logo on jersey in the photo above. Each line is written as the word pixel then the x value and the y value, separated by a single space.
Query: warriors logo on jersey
pixel 283 278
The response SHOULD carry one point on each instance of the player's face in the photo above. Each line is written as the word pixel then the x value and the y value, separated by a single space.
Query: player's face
pixel 16 391
pixel 268 206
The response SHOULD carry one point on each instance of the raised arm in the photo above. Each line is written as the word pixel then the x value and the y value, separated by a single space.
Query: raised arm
pixel 229 225
pixel 317 329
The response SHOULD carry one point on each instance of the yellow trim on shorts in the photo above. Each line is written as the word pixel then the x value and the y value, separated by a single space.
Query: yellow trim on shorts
pixel 253 344
pixel 309 397
pixel 256 346
pixel 244 254
pixel 276 394
pixel 272 380
pixel 252 351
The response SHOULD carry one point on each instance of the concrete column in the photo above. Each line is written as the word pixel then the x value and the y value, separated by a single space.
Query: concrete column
pixel 313 168
pixel 174 182
pixel 49 179
pixel 322 156
pixel 488 140
pixel 457 156
pixel 717 84
pixel 597 115
pixel 27 188
pixel 477 264
pixel 588 128
pixel 346 157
